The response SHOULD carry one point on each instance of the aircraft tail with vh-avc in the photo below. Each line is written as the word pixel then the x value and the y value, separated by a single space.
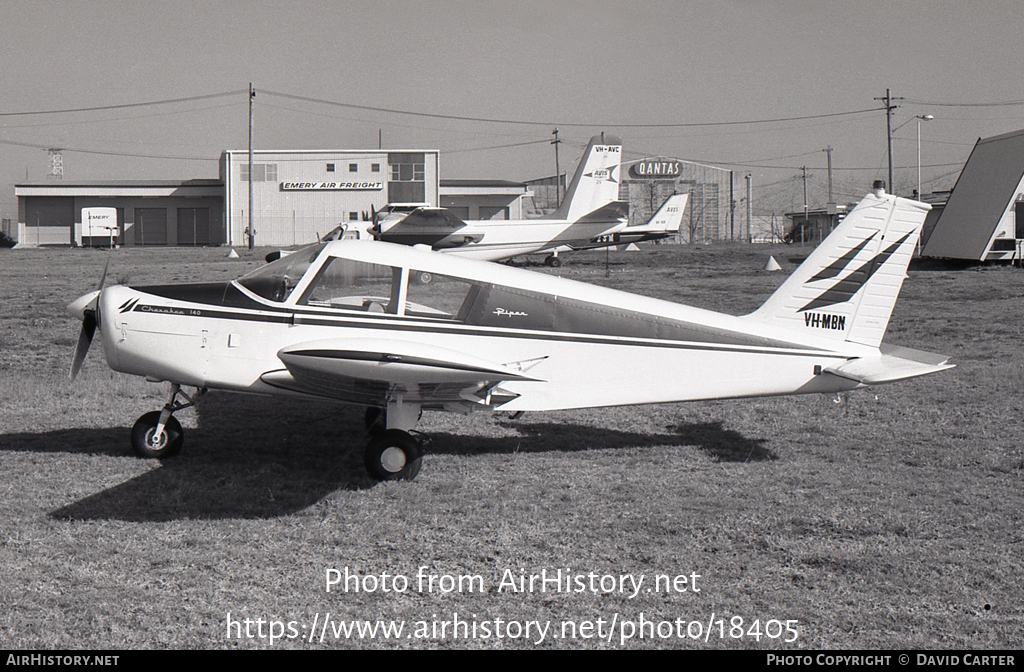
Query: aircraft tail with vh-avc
pixel 596 181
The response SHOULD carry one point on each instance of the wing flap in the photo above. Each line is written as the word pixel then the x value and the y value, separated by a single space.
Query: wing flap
pixel 391 361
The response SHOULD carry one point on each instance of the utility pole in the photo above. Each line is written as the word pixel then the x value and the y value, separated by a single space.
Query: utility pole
pixel 732 208
pixel 889 107
pixel 828 151
pixel 252 95
pixel 558 176
pixel 749 207
pixel 806 218
pixel 830 207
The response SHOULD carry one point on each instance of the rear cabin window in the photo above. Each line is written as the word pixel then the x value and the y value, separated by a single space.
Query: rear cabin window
pixel 440 296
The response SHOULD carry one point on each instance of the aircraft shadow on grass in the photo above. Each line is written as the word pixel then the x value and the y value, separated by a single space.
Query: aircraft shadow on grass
pixel 257 457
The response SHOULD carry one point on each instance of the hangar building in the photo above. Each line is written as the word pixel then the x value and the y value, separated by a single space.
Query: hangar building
pixel 189 212
pixel 297 196
pixel 709 215
pixel 983 220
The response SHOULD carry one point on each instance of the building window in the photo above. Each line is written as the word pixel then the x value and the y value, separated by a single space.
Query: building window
pixel 261 172
pixel 353 216
pixel 375 167
pixel 407 177
pixel 353 168
pixel 407 172
pixel 330 167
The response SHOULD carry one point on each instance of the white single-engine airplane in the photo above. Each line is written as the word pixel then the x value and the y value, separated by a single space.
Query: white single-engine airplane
pixel 343 321
pixel 590 209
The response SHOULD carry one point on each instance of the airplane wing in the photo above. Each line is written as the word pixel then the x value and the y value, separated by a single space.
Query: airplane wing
pixel 616 212
pixel 437 227
pixel 432 218
pixel 369 371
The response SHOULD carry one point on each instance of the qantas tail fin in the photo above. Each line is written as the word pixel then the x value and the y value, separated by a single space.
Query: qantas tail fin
pixel 596 182
pixel 847 287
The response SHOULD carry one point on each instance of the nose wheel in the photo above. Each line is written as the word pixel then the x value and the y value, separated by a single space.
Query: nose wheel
pixel 148 441
pixel 158 433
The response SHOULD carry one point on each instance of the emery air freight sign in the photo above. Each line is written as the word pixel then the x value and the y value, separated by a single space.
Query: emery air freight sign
pixel 656 169
pixel 331 186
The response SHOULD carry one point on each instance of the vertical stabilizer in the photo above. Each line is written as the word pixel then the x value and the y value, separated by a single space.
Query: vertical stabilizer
pixel 847 287
pixel 666 220
pixel 596 182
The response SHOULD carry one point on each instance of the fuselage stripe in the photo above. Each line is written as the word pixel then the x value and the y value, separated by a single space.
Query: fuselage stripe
pixel 401 323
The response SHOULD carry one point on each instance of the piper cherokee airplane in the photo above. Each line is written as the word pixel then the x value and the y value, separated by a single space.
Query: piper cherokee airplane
pixel 590 209
pixel 342 321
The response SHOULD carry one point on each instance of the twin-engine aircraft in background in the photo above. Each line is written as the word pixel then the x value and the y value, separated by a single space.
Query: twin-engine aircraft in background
pixel 662 224
pixel 590 210
pixel 343 321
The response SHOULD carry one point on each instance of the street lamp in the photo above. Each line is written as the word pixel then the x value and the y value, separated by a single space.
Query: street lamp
pixel 920 118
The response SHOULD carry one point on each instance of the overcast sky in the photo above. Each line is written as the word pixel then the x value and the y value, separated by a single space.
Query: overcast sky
pixel 662 75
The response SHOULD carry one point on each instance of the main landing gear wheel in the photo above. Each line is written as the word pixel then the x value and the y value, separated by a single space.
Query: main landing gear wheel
pixel 552 261
pixel 393 455
pixel 147 443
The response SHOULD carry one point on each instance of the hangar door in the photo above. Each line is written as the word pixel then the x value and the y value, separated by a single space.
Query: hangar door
pixel 193 226
pixel 49 220
pixel 150 226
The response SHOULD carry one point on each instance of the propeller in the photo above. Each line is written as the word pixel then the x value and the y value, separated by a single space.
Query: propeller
pixel 87 309
pixel 374 228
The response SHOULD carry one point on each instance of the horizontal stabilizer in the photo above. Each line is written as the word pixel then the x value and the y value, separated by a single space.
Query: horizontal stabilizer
pixel 892 364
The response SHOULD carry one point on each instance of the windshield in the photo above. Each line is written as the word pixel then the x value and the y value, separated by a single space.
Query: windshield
pixel 276 280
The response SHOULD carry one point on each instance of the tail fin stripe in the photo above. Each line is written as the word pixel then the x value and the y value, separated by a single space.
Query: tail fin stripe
pixel 845 289
pixel 837 267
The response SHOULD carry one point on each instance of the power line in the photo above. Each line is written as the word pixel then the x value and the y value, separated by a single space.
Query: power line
pixel 124 105
pixel 480 149
pixel 107 153
pixel 1004 103
pixel 452 117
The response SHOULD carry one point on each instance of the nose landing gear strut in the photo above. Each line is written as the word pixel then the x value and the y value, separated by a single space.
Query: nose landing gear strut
pixel 158 433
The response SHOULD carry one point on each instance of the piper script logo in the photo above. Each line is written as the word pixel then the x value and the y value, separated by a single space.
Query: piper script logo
pixel 501 312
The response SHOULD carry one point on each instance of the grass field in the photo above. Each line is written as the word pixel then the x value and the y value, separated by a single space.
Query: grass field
pixel 887 519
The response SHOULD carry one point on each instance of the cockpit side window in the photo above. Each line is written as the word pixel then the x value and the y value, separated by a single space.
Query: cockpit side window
pixel 276 280
pixel 441 296
pixel 354 285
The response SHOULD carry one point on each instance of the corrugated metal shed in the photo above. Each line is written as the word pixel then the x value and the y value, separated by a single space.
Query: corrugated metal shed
pixel 983 195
